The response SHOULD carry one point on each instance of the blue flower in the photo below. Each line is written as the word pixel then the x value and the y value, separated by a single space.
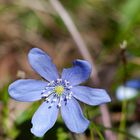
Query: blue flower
pixel 135 83
pixel 59 93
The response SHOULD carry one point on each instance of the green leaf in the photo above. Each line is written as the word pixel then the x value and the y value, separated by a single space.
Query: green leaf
pixel 129 14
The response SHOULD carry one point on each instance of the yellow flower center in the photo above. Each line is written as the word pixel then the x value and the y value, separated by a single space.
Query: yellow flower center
pixel 59 90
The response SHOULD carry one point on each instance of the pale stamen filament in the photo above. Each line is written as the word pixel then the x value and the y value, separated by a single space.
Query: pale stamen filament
pixel 60 99
pixel 46 96
pixel 59 81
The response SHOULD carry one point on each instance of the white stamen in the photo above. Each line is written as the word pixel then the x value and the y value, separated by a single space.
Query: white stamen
pixel 47 87
pixel 51 83
pixel 43 91
pixel 59 80
pixel 44 95
pixel 47 99
pixel 54 100
pixel 51 105
pixel 66 82
pixel 70 93
pixel 59 104
pixel 49 92
pixel 69 87
pixel 61 98
pixel 67 97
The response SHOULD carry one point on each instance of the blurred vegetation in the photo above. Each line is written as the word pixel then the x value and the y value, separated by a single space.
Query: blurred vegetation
pixel 103 24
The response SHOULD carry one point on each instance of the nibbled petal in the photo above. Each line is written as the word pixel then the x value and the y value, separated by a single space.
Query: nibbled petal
pixel 73 116
pixel 91 96
pixel 78 73
pixel 26 90
pixel 42 63
pixel 44 119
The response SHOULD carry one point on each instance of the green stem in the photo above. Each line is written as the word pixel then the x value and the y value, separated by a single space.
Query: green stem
pixel 123 120
pixel 91 132
pixel 93 127
pixel 90 127
pixel 98 132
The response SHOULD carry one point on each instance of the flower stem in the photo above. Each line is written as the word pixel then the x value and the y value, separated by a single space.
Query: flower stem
pixel 98 132
pixel 123 120
pixel 91 126
pixel 91 132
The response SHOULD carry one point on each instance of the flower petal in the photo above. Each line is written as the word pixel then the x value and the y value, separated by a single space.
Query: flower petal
pixel 26 90
pixel 42 64
pixel 44 119
pixel 78 73
pixel 133 83
pixel 73 116
pixel 91 96
pixel 126 93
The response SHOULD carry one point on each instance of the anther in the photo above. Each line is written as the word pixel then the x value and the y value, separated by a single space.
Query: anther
pixel 59 80
pixel 47 99
pixel 51 105
pixel 71 93
pixel 47 87
pixel 66 82
pixel 51 83
pixel 49 92
pixel 43 91
pixel 59 105
pixel 70 87
pixel 47 95
pixel 54 100
pixel 44 95
pixel 67 97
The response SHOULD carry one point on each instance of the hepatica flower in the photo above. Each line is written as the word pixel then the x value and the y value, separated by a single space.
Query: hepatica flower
pixel 59 93
pixel 134 83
